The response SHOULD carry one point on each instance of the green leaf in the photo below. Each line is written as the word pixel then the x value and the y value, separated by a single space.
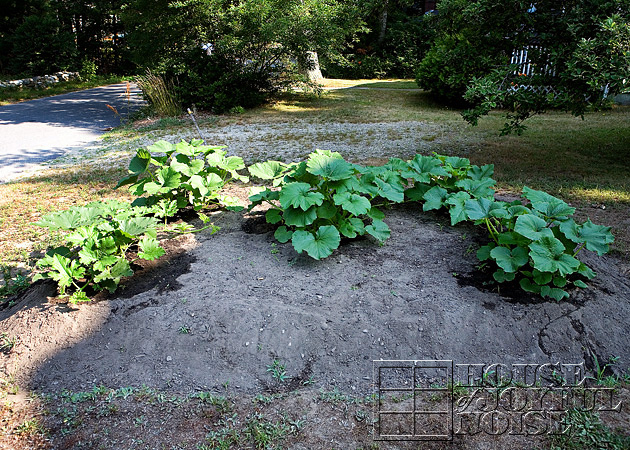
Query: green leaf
pixel 353 203
pixel 327 210
pixel 422 168
pixel 150 248
pixel 456 162
pixel 379 230
pixel 392 191
pixel 129 179
pixel 330 166
pixel 479 173
pixel 283 235
pixel 586 271
pixel 483 254
pixel 541 278
pixel 267 170
pixel 532 227
pixel 184 165
pixel 417 192
pixel 161 147
pixel 555 293
pixel 434 198
pixel 65 271
pixel 299 195
pixel 548 256
pixel 169 178
pixel 352 227
pixel 547 204
pixel 477 188
pixel 484 208
pixel 595 237
pixel 319 245
pixel 580 284
pixel 298 218
pixel 273 215
pixel 528 286
pixel 456 210
pixel 501 276
pixel 376 214
pixel 510 260
pixel 65 220
pixel 137 225
pixel 139 164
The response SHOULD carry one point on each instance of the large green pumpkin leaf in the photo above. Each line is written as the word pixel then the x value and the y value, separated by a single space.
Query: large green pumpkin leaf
pixel 267 170
pixel 330 166
pixel 351 227
pixel 162 147
pixel 169 178
pixel 353 203
pixel 484 208
pixel 379 230
pixel 299 195
pixel 66 220
pixel 296 217
pixel 392 191
pixel 480 173
pixel 434 198
pixel 477 188
pixel 548 256
pixel 137 225
pixel 457 210
pixel 421 168
pixel 319 245
pixel 510 260
pixel 533 227
pixel 547 204
pixel 595 237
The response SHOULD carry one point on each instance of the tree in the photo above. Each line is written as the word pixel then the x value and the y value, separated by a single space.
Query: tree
pixel 226 53
pixel 578 56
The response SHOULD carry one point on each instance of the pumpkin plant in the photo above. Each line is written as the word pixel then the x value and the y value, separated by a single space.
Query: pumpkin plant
pixel 100 237
pixel 170 177
pixel 539 242
pixel 318 201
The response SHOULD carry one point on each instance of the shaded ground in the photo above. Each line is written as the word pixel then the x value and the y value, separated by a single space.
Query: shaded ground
pixel 218 316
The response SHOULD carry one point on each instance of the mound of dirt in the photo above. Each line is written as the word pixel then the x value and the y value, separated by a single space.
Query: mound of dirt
pixel 237 302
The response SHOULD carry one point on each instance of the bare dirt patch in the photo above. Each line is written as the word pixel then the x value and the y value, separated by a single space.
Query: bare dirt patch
pixel 222 312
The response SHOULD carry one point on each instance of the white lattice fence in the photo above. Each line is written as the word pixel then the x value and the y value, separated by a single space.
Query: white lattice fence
pixel 526 68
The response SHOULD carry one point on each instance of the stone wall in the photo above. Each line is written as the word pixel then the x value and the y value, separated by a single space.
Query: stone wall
pixel 38 82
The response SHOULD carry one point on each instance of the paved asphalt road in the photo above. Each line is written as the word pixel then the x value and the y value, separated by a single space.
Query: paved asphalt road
pixel 44 129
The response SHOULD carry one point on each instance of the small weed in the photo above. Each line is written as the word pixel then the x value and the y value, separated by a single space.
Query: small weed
pixel 277 371
pixel 12 284
pixel 308 382
pixel 586 431
pixel 30 427
pixel 7 343
pixel 184 329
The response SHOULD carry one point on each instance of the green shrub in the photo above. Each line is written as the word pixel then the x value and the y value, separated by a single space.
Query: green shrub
pixel 88 70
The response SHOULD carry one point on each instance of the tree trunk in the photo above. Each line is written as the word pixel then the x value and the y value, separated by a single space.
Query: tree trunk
pixel 311 68
pixel 383 28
